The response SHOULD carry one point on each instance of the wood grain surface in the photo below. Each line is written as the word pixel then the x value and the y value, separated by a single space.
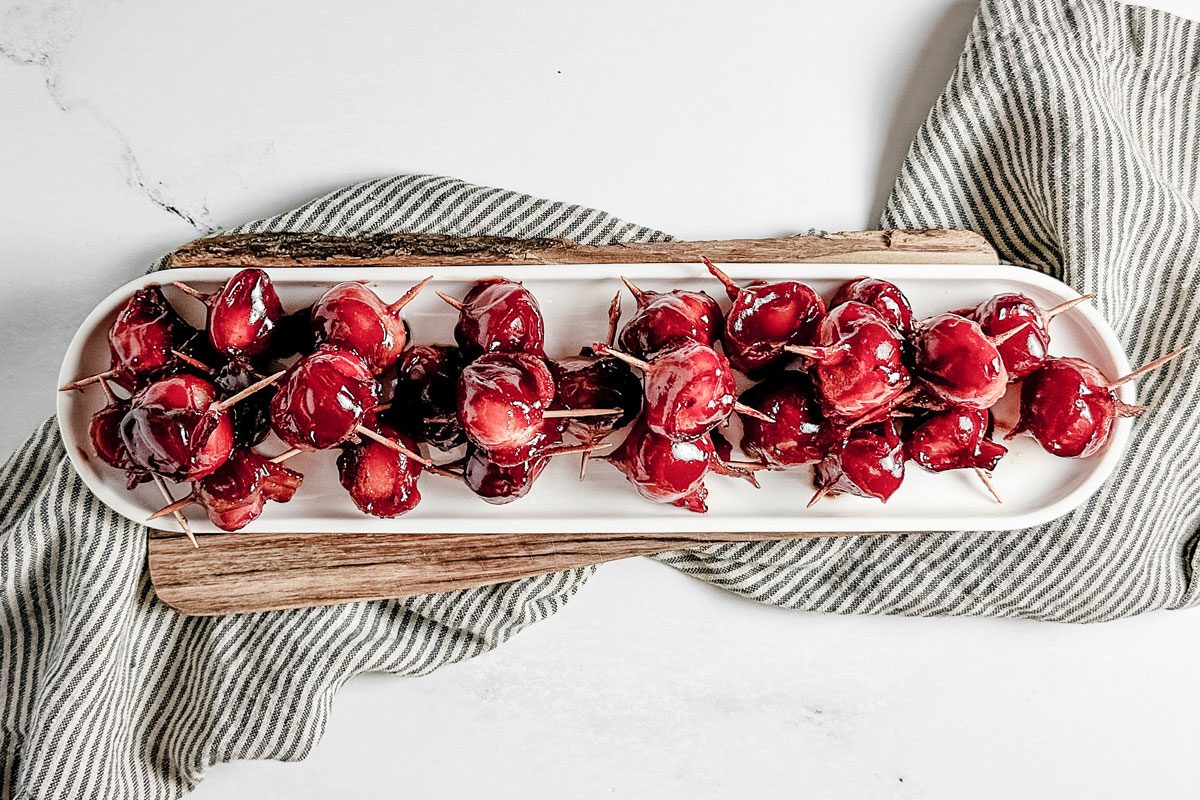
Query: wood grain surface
pixel 246 572
pixel 407 249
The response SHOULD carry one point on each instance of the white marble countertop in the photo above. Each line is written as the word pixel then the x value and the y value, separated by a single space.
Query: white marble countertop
pixel 130 126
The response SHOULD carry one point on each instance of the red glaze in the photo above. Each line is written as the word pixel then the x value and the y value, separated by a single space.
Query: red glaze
pixel 427 387
pixel 381 481
pixel 499 484
pixel 665 471
pixel 800 434
pixel 322 399
pixel 243 314
pixel 110 447
pixel 689 390
pixel 1068 407
pixel 1025 351
pixel 869 463
pixel 957 362
pixel 956 439
pixel 863 371
pixel 352 317
pixel 666 319
pixel 501 399
pixel 159 429
pixel 591 381
pixel 500 316
pixel 886 298
pixel 764 318
pixel 142 336
pixel 235 494
pixel 251 415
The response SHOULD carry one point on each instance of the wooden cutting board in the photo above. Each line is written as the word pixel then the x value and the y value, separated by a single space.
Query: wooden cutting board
pixel 244 572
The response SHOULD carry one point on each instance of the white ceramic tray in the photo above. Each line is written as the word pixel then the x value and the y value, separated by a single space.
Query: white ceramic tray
pixel 1036 487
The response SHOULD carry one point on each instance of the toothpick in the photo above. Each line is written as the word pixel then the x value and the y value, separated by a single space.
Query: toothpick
pixel 409 296
pixel 188 290
pixel 614 318
pixel 450 301
pixel 986 478
pixel 574 413
pixel 89 380
pixel 637 293
pixel 731 288
pixel 742 408
pixel 1051 313
pixel 363 430
pixel 224 405
pixel 824 490
pixel 632 361
pixel 1153 365
pixel 174 508
pixel 195 362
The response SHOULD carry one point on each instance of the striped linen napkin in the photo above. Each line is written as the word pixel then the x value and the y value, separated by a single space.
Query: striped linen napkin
pixel 1066 136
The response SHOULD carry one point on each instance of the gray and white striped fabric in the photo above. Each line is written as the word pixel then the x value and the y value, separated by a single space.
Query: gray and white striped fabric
pixel 108 693
pixel 1064 136
pixel 1069 137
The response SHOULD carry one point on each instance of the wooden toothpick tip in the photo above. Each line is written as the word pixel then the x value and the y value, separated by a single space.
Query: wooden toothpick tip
pixel 410 295
pixel 637 293
pixel 1000 339
pixel 1053 312
pixel 748 411
pixel 450 301
pixel 1153 365
pixel 284 456
pixel 193 362
pixel 985 478
pixel 88 381
pixel 614 319
pixel 174 507
pixel 824 490
pixel 731 288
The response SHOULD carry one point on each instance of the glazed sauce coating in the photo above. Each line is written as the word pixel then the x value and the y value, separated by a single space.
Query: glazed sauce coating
pixel 589 381
pixel 322 399
pixel 141 338
pixel 764 318
pixel 799 435
pixel 1068 407
pixel 869 463
pixel 666 319
pixel 886 298
pixel 352 317
pixel 689 389
pixel 235 494
pixel 864 370
pixel 500 316
pixel 957 362
pixel 501 399
pixel 499 484
pixel 663 470
pixel 159 429
pixel 381 481
pixel 955 439
pixel 1025 351
pixel 243 314
pixel 427 388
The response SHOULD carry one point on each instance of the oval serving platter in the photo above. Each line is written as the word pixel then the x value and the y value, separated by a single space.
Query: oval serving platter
pixel 1035 486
